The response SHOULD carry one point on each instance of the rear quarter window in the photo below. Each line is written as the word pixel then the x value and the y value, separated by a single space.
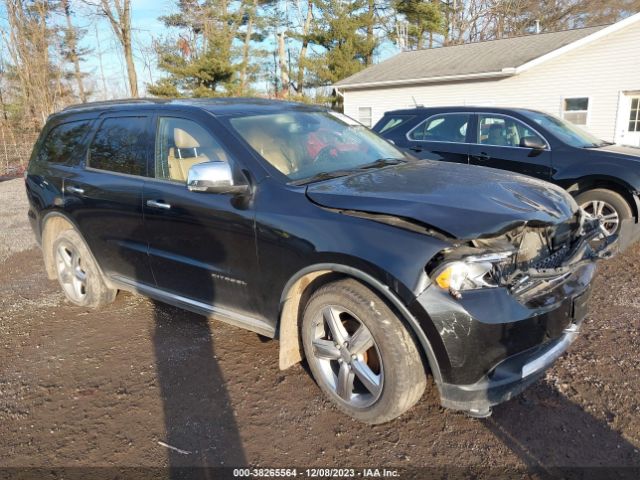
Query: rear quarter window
pixel 64 144
pixel 392 122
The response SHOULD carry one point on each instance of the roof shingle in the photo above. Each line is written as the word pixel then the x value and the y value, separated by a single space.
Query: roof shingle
pixel 466 59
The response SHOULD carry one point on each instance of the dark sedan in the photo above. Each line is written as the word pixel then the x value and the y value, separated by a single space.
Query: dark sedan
pixel 603 178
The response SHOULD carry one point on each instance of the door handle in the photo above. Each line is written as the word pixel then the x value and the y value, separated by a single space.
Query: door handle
pixel 416 148
pixel 76 190
pixel 483 156
pixel 158 204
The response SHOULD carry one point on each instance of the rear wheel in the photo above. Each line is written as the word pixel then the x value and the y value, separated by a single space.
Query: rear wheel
pixel 360 353
pixel 78 274
pixel 607 206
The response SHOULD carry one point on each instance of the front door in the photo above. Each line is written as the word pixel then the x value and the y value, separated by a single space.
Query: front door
pixel 442 137
pixel 201 245
pixel 632 134
pixel 497 144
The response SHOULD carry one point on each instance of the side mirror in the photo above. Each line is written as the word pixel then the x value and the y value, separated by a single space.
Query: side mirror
pixel 213 177
pixel 532 142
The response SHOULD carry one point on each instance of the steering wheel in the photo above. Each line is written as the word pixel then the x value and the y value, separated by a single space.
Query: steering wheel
pixel 326 153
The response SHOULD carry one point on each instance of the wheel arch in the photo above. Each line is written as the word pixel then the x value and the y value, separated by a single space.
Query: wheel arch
pixel 586 183
pixel 53 223
pixel 300 287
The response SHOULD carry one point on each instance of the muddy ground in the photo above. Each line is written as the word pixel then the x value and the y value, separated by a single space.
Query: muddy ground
pixel 103 388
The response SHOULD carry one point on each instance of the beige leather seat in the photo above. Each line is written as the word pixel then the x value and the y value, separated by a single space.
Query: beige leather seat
pixel 188 152
pixel 275 152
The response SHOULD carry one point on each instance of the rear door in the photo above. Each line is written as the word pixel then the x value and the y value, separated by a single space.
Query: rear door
pixel 442 137
pixel 104 195
pixel 497 145
pixel 201 245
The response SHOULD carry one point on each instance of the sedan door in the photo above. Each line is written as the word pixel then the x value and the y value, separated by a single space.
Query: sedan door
pixel 442 137
pixel 500 142
pixel 201 245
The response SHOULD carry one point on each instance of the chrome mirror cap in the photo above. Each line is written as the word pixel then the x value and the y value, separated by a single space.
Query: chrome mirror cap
pixel 213 177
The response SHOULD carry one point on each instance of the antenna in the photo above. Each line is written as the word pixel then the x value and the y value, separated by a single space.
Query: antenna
pixel 418 105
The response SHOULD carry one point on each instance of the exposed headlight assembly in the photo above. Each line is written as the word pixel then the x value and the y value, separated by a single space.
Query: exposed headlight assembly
pixel 468 273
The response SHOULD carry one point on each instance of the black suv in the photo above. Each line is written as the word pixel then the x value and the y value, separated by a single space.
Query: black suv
pixel 604 178
pixel 297 223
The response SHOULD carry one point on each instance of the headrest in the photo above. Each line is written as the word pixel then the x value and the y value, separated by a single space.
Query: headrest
pixel 183 140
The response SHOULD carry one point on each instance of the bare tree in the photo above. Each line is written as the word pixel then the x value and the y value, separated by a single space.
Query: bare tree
pixel 118 12
pixel 71 38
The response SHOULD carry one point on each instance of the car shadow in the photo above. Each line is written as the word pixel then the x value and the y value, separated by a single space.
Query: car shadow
pixel 200 425
pixel 200 430
pixel 535 423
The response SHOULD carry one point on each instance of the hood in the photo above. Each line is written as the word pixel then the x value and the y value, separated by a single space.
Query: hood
pixel 463 201
pixel 617 151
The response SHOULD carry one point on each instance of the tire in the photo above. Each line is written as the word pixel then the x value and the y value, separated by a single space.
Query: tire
pixel 606 204
pixel 381 365
pixel 77 272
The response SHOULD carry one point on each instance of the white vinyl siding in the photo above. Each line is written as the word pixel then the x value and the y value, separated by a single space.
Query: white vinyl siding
pixel 600 70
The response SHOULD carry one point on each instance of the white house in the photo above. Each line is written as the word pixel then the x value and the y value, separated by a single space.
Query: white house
pixel 589 76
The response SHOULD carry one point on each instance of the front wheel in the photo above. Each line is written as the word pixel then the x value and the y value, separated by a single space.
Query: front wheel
pixel 361 355
pixel 607 206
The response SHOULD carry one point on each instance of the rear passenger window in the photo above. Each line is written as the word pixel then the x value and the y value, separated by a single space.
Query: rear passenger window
pixel 63 143
pixel 451 127
pixel 121 146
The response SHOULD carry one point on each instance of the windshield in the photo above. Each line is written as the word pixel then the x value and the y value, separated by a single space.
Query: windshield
pixel 565 131
pixel 303 145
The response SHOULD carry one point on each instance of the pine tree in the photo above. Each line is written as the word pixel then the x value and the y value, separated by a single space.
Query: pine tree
pixel 199 61
pixel 424 17
pixel 342 32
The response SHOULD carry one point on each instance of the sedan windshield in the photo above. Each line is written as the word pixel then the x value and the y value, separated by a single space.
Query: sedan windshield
pixel 309 146
pixel 565 131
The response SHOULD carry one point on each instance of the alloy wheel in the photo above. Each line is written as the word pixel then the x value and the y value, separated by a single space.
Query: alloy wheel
pixel 348 357
pixel 71 273
pixel 603 211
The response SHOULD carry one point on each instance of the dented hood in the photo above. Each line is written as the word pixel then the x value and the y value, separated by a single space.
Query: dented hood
pixel 464 201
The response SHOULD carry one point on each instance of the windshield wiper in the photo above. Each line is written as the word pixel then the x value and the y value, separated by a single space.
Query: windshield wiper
pixel 322 176
pixel 382 162
pixel 599 145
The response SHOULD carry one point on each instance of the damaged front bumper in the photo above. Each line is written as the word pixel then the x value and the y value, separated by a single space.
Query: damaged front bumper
pixel 491 343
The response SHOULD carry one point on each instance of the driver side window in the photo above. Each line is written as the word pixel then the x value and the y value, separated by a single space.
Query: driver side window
pixel 503 131
pixel 182 143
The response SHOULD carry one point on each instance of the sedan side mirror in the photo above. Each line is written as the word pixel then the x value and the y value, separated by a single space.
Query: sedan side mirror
pixel 532 142
pixel 213 177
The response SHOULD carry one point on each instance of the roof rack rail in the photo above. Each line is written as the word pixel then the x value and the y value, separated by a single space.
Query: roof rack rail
pixel 106 103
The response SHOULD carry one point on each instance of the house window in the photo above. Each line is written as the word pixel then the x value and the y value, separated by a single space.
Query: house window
pixel 575 110
pixel 634 117
pixel 364 116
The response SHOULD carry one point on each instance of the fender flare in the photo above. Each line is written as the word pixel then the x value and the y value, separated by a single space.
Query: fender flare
pixel 288 322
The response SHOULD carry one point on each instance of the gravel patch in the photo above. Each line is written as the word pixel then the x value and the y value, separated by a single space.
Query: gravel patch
pixel 15 234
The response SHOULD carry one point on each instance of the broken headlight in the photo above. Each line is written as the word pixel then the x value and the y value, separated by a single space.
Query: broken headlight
pixel 468 273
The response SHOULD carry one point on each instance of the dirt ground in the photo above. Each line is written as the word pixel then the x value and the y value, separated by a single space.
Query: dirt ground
pixel 115 387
